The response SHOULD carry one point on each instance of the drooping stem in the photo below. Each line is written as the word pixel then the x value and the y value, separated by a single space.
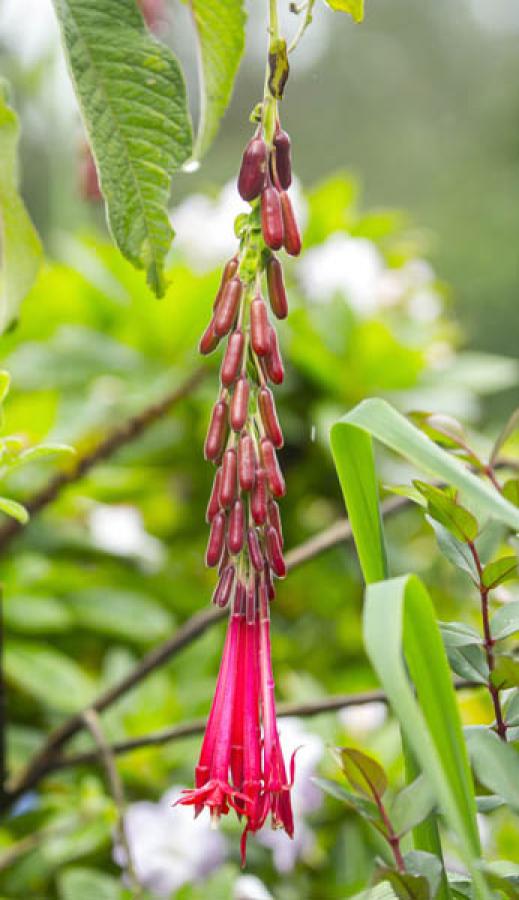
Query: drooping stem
pixel 307 20
pixel 488 643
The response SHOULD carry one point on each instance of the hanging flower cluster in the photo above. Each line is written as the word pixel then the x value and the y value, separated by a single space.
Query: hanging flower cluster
pixel 241 764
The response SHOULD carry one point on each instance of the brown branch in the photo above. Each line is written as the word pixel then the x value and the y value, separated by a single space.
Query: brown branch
pixel 122 434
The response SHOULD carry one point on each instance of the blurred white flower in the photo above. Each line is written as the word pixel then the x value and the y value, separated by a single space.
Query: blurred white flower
pixel 343 265
pixel 168 848
pixel 205 226
pixel 120 530
pixel 360 720
pixel 248 887
pixel 29 42
pixel 306 797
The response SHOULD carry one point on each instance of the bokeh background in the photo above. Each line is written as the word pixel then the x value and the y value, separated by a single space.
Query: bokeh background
pixel 406 150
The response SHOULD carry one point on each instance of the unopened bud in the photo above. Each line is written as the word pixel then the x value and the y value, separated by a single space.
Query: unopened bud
pixel 259 327
pixel 259 498
pixel 275 553
pixel 246 462
pixel 232 360
pixel 275 519
pixel 255 554
pixel 272 361
pixel 227 307
pixel 235 532
pixel 216 540
pixel 214 500
pixel 276 288
pixel 269 584
pixel 209 340
pixel 271 218
pixel 217 432
pixel 240 403
pixel 240 597
pixel 269 417
pixel 253 170
pixel 291 235
pixel 224 587
pixel 229 473
pixel 283 161
pixel 275 479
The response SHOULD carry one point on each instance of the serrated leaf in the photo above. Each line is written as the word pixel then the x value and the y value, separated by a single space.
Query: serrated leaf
pixel 444 509
pixel 132 96
pixel 220 26
pixel 454 550
pixel 362 805
pixel 362 771
pixel 411 805
pixel 20 248
pixel 499 571
pixel 468 662
pixel 496 764
pixel 505 673
pixel 511 426
pixel 511 490
pixel 355 8
pixel 14 509
pixel 48 675
pixel 458 634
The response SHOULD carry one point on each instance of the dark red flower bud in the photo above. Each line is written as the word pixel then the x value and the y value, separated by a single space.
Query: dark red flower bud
pixel 269 417
pixel 271 218
pixel 209 340
pixel 258 503
pixel 250 603
pixel 232 360
pixel 253 170
pixel 283 161
pixel 275 479
pixel 230 269
pixel 240 597
pixel 217 431
pixel 214 500
pixel 224 560
pixel 255 554
pixel 229 474
pixel 269 584
pixel 275 553
pixel 224 587
pixel 276 288
pixel 240 403
pixel 236 529
pixel 227 307
pixel 259 327
pixel 272 361
pixel 291 235
pixel 216 540
pixel 275 519
pixel 246 462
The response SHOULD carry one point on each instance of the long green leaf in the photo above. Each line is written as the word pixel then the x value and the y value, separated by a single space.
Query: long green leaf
pixel 220 27
pixel 375 418
pixel 20 248
pixel 400 628
pixel 133 101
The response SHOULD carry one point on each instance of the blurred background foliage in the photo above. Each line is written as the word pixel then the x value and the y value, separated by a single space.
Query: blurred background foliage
pixel 420 104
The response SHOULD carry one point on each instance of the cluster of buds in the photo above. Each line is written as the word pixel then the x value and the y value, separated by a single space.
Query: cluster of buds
pixel 238 768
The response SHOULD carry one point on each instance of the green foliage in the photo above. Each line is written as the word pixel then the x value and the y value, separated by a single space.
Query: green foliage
pixel 133 101
pixel 20 248
pixel 220 27
pixel 354 7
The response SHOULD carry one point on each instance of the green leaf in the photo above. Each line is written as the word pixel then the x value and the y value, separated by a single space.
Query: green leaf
pixel 505 673
pixel 48 675
pixel 124 614
pixel 405 885
pixel 5 383
pixel 402 639
pixel 496 764
pixel 133 101
pixel 511 426
pixel 362 771
pixel 220 26
pixel 458 634
pixel 512 710
pixel 504 569
pixel 468 662
pixel 426 864
pixel 355 8
pixel 14 509
pixel 20 248
pixel 411 805
pixel 375 418
pixel 43 450
pixel 36 614
pixel 505 621
pixel 489 803
pixel 444 508
pixel 511 490
pixel 362 805
pixel 80 883
pixel 454 550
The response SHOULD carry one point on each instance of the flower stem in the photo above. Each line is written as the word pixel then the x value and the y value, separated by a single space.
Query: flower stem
pixel 488 644
pixel 307 20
